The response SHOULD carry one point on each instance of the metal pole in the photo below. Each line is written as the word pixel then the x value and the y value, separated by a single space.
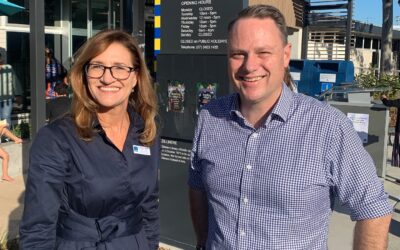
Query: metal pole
pixel 304 37
pixel 37 65
pixel 127 16
pixel 348 29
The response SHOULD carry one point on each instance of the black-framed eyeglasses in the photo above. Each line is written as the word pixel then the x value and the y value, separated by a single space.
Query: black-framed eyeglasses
pixel 118 72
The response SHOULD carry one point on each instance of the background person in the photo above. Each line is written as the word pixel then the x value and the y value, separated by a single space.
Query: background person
pixel 10 88
pixel 268 163
pixel 3 153
pixel 97 187
pixel 396 144
pixel 59 106
pixel 55 73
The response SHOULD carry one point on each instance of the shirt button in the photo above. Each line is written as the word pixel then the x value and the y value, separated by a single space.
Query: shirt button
pixel 254 135
pixel 245 200
pixel 248 167
pixel 242 233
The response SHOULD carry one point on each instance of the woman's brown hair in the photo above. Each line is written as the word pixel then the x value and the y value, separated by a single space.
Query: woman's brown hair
pixel 143 98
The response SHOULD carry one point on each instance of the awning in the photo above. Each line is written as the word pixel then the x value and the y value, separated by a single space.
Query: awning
pixel 8 9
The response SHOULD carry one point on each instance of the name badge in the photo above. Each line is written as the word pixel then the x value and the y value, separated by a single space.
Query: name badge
pixel 141 150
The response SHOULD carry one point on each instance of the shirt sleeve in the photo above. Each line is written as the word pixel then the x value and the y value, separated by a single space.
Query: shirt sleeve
pixel 353 175
pixel 195 169
pixel 44 187
pixel 150 211
pixel 391 103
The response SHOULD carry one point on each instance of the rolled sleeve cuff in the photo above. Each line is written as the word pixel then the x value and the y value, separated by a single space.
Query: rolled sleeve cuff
pixel 379 208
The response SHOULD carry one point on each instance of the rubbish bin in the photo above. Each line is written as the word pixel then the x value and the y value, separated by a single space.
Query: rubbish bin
pixel 331 73
pixel 369 118
pixel 302 73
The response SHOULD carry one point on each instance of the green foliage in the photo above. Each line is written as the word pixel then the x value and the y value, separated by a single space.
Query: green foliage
pixel 6 244
pixel 22 130
pixel 371 80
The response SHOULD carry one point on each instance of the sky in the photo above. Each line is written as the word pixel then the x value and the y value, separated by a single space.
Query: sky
pixel 370 11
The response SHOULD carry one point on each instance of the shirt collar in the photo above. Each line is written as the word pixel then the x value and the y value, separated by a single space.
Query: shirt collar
pixel 281 108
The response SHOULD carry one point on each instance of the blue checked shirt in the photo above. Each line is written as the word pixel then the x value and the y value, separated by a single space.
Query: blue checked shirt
pixel 273 187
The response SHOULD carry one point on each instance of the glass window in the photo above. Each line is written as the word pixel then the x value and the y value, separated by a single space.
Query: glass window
pixel 367 43
pixel 77 42
pixel 359 42
pixel 79 14
pixel 52 10
pixel 18 58
pixel 20 17
pixel 375 44
pixel 100 15
pixel 52 13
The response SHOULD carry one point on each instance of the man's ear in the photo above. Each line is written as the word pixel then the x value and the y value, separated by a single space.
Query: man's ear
pixel 286 54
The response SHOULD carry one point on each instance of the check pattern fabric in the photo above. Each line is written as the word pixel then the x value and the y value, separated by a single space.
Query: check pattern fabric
pixel 274 187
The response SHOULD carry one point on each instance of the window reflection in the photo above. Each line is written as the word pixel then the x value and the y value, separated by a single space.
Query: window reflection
pixel 52 13
pixel 79 14
pixel 20 17
pixel 100 15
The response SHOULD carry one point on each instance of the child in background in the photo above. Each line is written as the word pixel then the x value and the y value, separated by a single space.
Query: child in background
pixel 3 154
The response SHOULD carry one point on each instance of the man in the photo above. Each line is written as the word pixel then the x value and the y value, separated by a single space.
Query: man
pixel 10 88
pixel 267 163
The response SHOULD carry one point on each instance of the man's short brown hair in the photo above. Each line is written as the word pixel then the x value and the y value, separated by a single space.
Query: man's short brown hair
pixel 262 11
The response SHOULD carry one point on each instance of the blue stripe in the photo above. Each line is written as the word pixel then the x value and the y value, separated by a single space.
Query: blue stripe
pixel 156 52
pixel 157 10
pixel 157 33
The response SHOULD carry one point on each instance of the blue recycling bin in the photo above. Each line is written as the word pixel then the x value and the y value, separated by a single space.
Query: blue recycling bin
pixel 316 76
pixel 330 73
pixel 302 72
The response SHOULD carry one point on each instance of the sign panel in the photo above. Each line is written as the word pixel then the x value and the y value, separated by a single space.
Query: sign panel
pixel 196 27
pixel 360 124
pixel 327 78
pixel 296 76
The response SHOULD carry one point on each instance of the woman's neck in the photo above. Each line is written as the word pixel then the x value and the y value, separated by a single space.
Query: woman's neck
pixel 116 126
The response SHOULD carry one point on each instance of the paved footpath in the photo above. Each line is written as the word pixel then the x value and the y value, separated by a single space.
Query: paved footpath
pixel 340 230
pixel 11 205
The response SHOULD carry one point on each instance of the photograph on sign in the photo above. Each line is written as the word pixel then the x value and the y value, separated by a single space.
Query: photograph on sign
pixel 176 96
pixel 205 93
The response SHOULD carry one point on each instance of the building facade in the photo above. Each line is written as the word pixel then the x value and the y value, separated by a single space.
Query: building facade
pixel 68 24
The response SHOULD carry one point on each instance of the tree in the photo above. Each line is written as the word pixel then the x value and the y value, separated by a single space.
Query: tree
pixel 387 34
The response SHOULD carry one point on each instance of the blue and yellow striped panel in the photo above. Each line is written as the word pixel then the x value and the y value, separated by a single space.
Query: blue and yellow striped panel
pixel 157 27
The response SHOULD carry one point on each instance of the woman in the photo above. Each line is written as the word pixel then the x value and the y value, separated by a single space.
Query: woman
pixel 396 144
pixel 92 181
pixel 55 73
pixel 4 131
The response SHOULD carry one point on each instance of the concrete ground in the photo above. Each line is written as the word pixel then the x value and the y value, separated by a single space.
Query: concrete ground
pixel 341 228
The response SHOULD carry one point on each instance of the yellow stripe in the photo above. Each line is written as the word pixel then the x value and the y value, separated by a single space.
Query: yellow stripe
pixel 157 22
pixel 155 65
pixel 157 2
pixel 157 43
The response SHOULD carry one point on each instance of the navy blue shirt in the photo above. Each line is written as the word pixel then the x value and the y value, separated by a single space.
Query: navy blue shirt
pixel 92 178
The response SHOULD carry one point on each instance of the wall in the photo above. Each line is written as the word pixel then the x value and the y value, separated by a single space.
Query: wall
pixel 291 9
pixel 19 153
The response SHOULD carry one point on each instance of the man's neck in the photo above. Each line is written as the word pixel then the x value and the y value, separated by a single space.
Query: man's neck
pixel 257 113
